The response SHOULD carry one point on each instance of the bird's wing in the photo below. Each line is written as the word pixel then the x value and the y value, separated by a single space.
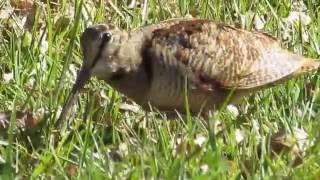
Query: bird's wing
pixel 214 55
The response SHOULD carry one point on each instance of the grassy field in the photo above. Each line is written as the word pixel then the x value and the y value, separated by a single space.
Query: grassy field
pixel 272 134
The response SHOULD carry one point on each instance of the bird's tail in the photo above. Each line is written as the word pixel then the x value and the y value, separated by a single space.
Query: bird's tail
pixel 309 65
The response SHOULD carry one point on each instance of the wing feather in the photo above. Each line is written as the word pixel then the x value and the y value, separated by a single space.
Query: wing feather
pixel 214 55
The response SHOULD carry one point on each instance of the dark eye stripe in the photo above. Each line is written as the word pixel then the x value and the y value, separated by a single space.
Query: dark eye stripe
pixel 105 39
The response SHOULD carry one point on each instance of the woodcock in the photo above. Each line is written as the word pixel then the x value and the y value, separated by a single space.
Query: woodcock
pixel 159 64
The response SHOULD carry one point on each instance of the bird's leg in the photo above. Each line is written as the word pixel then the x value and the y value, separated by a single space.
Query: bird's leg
pixel 209 117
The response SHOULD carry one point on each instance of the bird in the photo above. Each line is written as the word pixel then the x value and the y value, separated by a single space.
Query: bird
pixel 199 62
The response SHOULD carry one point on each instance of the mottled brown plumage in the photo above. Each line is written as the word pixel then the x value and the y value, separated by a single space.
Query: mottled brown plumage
pixel 157 64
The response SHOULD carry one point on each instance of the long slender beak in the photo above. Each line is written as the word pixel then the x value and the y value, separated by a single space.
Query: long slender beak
pixel 82 78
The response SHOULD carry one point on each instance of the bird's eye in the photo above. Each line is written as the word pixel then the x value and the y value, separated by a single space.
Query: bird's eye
pixel 106 37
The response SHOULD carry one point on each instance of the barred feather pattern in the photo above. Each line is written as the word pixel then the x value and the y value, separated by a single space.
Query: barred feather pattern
pixel 202 60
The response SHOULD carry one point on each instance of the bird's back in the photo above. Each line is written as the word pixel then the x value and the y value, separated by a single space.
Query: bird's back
pixel 213 58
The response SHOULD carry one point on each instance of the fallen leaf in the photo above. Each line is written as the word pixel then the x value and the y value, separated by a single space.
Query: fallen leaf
pixel 24 120
pixel 22 4
pixel 25 11
pixel 280 142
pixel 294 144
pixel 72 169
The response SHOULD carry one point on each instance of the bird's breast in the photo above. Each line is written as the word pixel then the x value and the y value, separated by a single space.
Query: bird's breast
pixel 170 90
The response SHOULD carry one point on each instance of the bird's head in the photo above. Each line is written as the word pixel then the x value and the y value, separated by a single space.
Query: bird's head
pixel 109 53
pixel 100 46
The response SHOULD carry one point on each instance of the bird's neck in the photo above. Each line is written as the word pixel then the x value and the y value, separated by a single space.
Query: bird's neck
pixel 133 81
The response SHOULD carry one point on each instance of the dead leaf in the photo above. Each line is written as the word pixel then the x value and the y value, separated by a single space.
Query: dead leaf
pixel 23 5
pixel 72 169
pixel 292 144
pixel 25 11
pixel 24 120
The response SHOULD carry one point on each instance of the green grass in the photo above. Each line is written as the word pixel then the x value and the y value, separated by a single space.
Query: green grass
pixel 105 142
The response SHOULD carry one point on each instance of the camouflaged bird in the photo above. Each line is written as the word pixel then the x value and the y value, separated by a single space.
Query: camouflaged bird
pixel 159 64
